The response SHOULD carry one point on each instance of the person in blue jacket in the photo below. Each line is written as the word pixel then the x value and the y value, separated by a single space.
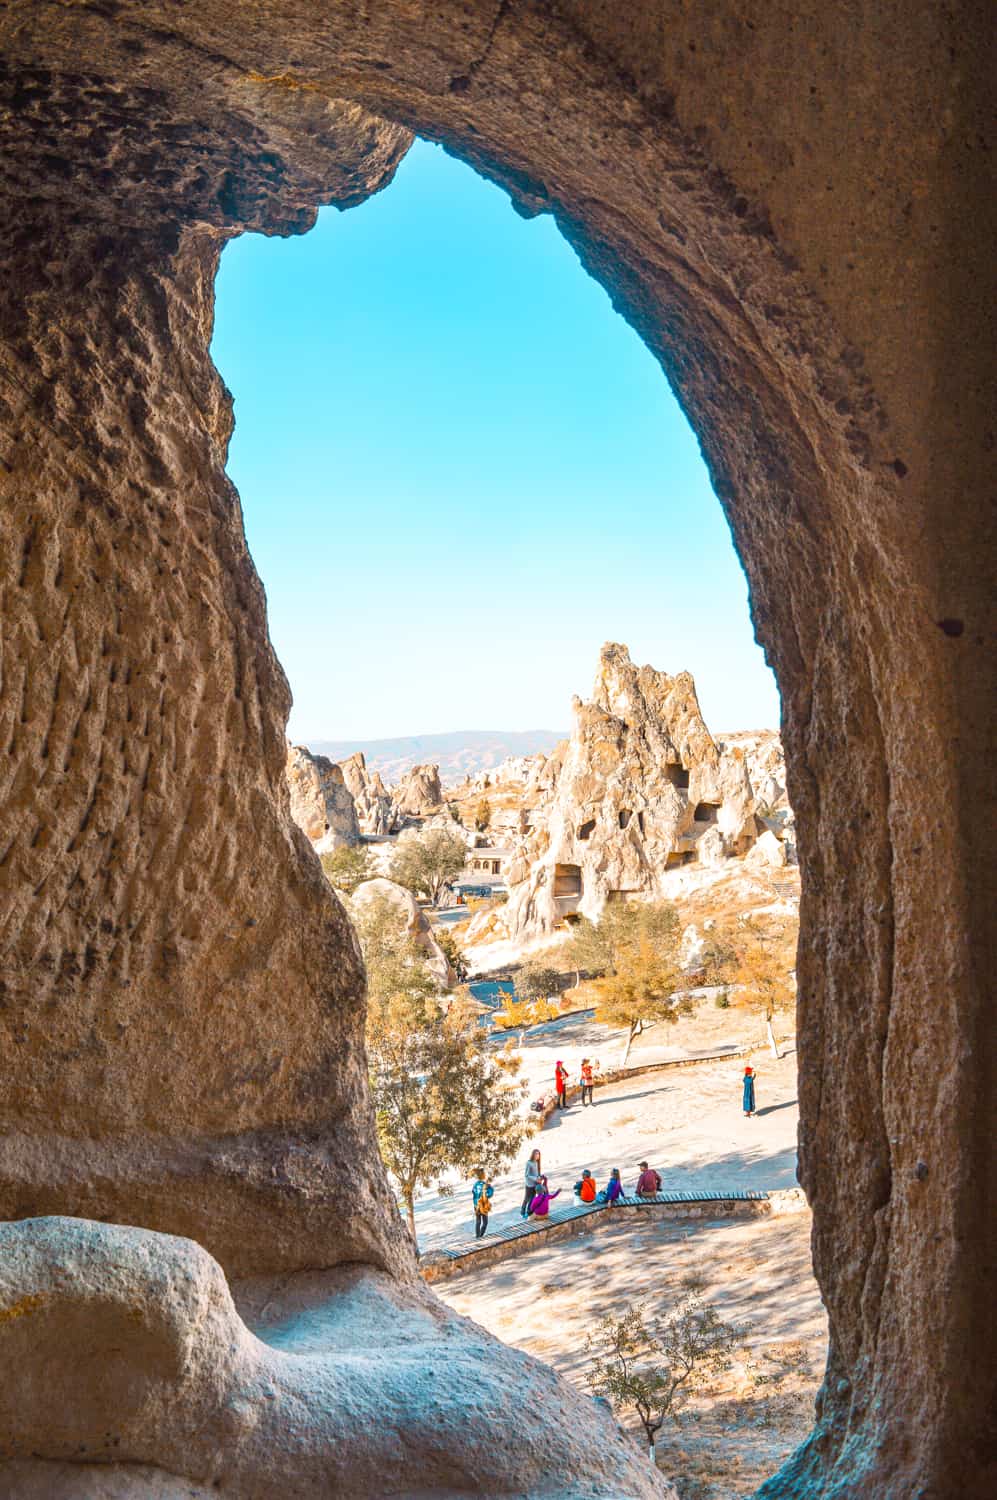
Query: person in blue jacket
pixel 481 1197
pixel 748 1096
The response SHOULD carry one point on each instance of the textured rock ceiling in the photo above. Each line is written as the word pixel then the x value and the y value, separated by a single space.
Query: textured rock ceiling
pixel 793 206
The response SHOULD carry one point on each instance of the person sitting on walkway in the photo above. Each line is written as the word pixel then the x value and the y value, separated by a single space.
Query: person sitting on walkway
pixel 540 1207
pixel 648 1183
pixel 481 1197
pixel 588 1081
pixel 533 1175
pixel 586 1188
pixel 561 1081
pixel 612 1190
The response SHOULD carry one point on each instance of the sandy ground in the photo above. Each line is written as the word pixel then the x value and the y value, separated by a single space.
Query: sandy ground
pixel 686 1122
pixel 755 1272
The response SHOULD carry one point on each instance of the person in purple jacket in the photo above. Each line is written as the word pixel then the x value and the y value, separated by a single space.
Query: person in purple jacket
pixel 540 1206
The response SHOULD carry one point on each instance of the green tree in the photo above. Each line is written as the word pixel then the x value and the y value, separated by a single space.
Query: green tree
pixel 536 981
pixel 454 952
pixel 424 863
pixel 653 1370
pixel 718 956
pixel 347 867
pixel 440 1101
pixel 634 951
pixel 402 993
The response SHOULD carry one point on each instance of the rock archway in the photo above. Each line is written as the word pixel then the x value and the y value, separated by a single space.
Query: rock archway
pixel 785 204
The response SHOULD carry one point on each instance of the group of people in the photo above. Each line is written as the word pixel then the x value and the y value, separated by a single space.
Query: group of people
pixel 538 1197
pixel 588 1072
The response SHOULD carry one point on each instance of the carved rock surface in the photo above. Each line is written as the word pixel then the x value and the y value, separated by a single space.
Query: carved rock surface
pixel 414 920
pixel 130 1350
pixel 321 803
pixel 417 794
pixel 641 787
pixel 795 212
pixel 371 798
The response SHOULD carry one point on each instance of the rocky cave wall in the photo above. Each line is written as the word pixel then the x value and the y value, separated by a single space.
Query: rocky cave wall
pixel 790 204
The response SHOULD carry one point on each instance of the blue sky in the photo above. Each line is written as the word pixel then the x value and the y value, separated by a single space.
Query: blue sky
pixel 461 472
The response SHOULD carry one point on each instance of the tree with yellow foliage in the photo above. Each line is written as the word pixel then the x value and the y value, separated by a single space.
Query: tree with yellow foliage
pixel 634 948
pixel 763 969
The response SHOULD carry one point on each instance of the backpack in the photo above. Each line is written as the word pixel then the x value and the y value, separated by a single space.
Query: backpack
pixel 586 1190
pixel 657 1181
pixel 484 1202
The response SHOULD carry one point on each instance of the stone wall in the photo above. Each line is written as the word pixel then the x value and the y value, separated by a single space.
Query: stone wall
pixel 794 208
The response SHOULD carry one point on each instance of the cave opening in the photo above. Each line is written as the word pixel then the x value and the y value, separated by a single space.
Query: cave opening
pixel 516 398
pixel 710 179
pixel 316 377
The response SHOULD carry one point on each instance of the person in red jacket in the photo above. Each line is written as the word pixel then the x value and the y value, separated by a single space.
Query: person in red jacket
pixel 648 1183
pixel 561 1081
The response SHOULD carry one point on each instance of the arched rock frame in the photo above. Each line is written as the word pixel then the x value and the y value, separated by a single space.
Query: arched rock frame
pixel 785 205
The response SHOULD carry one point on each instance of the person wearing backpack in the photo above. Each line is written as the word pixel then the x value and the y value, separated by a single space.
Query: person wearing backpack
pixel 588 1081
pixel 648 1183
pixel 585 1187
pixel 613 1189
pixel 481 1197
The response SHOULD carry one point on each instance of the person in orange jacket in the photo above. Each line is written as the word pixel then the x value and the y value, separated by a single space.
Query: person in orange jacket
pixel 561 1082
pixel 586 1187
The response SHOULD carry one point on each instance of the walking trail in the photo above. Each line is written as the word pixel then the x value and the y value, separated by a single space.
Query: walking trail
pixel 687 1122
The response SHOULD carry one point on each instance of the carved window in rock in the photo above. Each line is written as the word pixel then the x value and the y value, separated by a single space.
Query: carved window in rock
pixel 568 880
pixel 640 821
pixel 678 858
pixel 587 828
pixel 624 817
pixel 678 776
pixel 706 812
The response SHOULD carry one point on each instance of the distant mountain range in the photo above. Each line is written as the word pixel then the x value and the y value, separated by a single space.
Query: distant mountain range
pixel 459 754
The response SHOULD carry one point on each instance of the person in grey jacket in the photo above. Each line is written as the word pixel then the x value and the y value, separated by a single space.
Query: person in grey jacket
pixel 533 1175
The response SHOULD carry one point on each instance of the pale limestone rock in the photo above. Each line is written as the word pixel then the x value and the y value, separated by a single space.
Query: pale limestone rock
pixel 415 921
pixel 417 794
pixel 130 1355
pixel 371 797
pixel 767 851
pixel 638 790
pixel 321 803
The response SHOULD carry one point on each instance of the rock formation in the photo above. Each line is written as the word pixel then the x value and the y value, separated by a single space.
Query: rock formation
pixel 641 790
pixel 795 213
pixel 321 803
pixel 136 1339
pixel 414 919
pixel 417 794
pixel 371 797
